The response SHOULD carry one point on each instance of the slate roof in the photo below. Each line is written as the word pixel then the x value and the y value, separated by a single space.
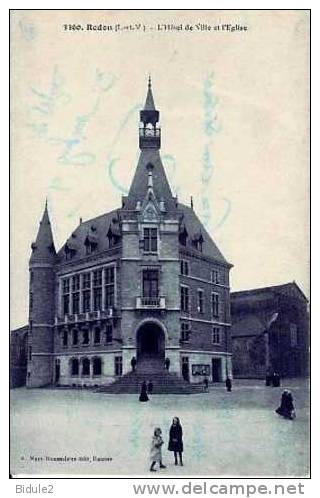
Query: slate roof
pixel 137 192
pixel 149 105
pixel 289 288
pixel 252 324
pixel 80 234
pixel 194 227
pixel 139 185
pixel 43 250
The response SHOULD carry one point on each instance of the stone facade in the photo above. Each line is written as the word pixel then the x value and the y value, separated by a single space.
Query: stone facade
pixel 145 281
pixel 18 357
pixel 270 331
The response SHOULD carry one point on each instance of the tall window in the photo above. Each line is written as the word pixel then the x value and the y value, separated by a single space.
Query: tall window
pixel 65 338
pixel 185 332
pixel 85 336
pixel 75 337
pixel 74 366
pixel 184 267
pixel 184 298
pixel 66 295
pixel 215 276
pixel 97 335
pixel 293 334
pixel 86 366
pixel 200 301
pixel 97 366
pixel 118 365
pixel 216 335
pixel 109 282
pixel 97 290
pixel 86 292
pixel 75 294
pixel 109 332
pixel 150 283
pixel 215 304
pixel 150 239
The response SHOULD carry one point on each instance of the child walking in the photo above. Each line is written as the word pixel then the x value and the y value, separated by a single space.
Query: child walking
pixel 155 451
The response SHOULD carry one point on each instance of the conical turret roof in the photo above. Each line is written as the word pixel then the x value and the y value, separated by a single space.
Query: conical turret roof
pixel 43 250
pixel 149 105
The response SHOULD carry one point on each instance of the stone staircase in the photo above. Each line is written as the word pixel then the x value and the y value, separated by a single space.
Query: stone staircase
pixel 164 382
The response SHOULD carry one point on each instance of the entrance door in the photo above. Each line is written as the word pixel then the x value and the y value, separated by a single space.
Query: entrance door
pixel 57 370
pixel 185 368
pixel 216 369
pixel 150 341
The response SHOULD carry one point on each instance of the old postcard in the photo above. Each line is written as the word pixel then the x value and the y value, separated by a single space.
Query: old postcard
pixel 160 243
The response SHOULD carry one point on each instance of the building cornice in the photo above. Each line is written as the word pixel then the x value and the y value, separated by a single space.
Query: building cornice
pixel 205 281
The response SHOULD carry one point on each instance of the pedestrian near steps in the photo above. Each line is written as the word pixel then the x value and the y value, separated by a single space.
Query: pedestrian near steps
pixel 143 393
pixel 133 363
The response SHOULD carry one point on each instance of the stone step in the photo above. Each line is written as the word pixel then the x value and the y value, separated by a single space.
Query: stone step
pixel 163 383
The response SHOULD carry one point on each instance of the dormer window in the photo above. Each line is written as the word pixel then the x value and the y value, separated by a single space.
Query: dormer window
pixel 183 235
pixel 69 250
pixel 91 244
pixel 150 239
pixel 113 235
pixel 197 241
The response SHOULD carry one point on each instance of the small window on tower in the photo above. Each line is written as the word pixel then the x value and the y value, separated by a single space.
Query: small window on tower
pixel 150 239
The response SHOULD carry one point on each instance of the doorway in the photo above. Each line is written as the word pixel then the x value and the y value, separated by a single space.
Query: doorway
pixel 216 369
pixel 57 371
pixel 150 341
pixel 185 369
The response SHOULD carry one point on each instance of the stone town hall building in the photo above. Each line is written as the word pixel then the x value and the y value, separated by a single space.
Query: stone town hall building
pixel 145 281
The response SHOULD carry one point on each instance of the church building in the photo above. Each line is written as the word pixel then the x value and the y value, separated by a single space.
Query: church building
pixel 143 287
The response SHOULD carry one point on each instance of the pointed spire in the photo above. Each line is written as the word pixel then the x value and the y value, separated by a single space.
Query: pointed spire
pixel 43 250
pixel 149 105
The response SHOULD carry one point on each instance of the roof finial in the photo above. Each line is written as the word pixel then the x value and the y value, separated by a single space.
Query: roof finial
pixel 149 82
pixel 191 202
pixel 46 204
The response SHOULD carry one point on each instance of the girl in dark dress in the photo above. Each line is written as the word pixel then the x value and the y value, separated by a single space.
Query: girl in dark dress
pixel 175 440
pixel 286 408
pixel 143 394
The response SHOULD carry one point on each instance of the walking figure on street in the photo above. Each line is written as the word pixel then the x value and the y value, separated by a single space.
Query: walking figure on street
pixel 156 450
pixel 286 408
pixel 175 440
pixel 228 384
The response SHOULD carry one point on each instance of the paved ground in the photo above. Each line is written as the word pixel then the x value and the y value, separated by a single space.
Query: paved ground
pixel 225 434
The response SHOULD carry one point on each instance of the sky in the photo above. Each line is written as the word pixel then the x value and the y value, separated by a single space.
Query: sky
pixel 234 113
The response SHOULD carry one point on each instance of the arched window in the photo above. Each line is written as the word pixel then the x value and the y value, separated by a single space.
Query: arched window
pixel 74 366
pixel 97 366
pixel 85 366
